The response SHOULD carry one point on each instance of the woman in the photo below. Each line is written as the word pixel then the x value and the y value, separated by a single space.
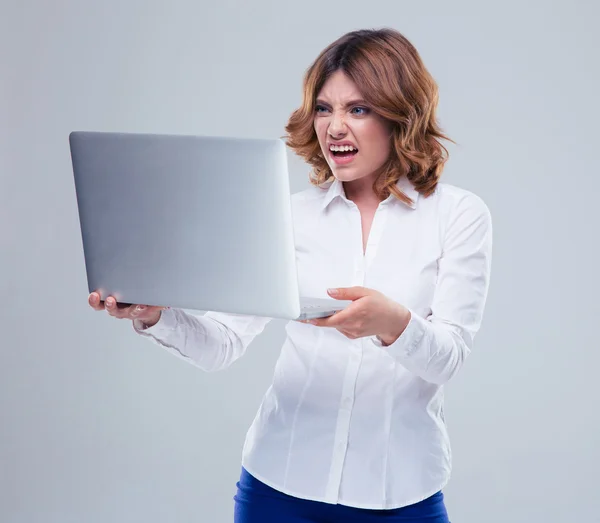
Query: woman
pixel 352 428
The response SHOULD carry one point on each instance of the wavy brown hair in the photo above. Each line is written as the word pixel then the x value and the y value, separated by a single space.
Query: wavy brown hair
pixel 390 74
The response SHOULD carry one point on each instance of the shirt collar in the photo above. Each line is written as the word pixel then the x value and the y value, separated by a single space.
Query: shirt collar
pixel 335 189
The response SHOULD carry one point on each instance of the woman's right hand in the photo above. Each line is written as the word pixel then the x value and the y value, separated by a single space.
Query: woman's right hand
pixel 146 313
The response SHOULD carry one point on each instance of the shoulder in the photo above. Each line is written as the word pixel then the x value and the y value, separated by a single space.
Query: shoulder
pixel 308 197
pixel 453 201
pixel 463 215
pixel 307 206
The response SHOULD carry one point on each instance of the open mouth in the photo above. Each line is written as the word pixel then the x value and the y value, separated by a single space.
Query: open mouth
pixel 343 152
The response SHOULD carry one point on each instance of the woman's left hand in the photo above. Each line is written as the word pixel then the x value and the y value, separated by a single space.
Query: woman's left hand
pixel 371 313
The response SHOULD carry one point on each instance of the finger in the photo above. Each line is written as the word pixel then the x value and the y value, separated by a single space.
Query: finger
pixel 350 293
pixel 95 302
pixel 144 312
pixel 330 321
pixel 135 310
pixel 110 305
pixel 342 317
pixel 113 308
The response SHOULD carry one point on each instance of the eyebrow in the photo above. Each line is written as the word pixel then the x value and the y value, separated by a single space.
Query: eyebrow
pixel 358 101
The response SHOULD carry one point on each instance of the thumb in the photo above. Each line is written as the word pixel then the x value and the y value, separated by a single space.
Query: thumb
pixel 349 293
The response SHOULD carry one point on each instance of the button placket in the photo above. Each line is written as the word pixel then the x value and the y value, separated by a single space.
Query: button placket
pixel 343 422
pixel 377 228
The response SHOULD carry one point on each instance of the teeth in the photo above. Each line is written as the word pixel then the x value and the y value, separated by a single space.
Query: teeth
pixel 342 148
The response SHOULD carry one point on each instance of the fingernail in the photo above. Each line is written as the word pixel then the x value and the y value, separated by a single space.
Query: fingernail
pixel 333 292
pixel 109 303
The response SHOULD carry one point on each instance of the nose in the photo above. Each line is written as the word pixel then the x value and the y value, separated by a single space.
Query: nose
pixel 337 126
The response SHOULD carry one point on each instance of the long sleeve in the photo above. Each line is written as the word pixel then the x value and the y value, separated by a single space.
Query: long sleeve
pixel 212 341
pixel 435 347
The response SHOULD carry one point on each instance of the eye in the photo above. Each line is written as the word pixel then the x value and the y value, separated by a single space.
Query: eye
pixel 320 109
pixel 360 111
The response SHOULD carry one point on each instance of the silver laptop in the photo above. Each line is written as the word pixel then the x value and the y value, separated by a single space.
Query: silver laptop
pixel 192 222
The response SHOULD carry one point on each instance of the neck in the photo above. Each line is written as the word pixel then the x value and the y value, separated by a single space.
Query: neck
pixel 361 192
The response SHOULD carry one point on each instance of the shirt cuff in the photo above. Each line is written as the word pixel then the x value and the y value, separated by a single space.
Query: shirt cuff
pixel 409 340
pixel 167 323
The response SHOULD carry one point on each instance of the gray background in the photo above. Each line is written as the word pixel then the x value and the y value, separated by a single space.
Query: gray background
pixel 99 425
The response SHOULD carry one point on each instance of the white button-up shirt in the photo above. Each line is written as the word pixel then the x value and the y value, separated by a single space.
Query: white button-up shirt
pixel 352 421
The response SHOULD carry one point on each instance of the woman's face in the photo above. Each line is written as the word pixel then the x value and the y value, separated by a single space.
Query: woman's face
pixel 343 121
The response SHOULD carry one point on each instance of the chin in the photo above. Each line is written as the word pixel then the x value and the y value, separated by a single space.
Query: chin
pixel 347 175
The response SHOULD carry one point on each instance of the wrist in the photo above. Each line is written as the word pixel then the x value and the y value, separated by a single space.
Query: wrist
pixel 398 323
pixel 151 322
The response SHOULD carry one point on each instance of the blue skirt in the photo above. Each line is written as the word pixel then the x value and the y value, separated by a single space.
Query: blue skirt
pixel 256 502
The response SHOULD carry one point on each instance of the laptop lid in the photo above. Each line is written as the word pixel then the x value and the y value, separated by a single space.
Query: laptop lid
pixel 192 222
